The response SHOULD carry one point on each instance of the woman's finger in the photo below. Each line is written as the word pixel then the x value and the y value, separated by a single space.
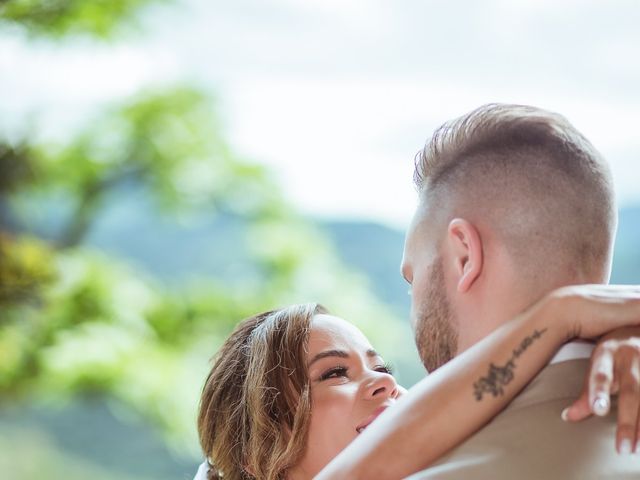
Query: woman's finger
pixel 628 374
pixel 578 410
pixel 600 381
pixel 583 407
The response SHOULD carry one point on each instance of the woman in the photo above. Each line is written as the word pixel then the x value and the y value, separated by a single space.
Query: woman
pixel 256 418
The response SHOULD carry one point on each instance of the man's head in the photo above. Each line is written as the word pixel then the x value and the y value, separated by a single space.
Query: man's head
pixel 514 202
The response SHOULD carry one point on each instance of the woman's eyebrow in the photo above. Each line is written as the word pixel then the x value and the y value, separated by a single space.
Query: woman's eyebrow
pixel 328 353
pixel 338 353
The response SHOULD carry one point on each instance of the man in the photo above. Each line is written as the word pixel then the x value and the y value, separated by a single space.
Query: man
pixel 514 202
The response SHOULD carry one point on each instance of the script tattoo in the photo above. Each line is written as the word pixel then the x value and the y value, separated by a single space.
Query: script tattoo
pixel 500 376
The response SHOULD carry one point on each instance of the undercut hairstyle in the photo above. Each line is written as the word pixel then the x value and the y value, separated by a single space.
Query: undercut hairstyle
pixel 256 402
pixel 532 178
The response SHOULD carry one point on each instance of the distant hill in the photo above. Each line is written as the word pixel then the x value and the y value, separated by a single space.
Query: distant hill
pixel 204 245
pixel 376 250
pixel 207 245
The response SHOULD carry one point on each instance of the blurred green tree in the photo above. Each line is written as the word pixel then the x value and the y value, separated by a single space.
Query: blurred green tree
pixel 58 18
pixel 75 321
pixel 78 322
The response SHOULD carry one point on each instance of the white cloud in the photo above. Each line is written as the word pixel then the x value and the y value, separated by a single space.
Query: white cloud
pixel 338 95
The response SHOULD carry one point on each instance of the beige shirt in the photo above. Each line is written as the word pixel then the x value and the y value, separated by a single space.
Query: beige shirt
pixel 529 440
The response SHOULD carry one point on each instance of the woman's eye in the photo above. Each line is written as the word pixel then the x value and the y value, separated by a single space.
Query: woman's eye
pixel 336 372
pixel 386 368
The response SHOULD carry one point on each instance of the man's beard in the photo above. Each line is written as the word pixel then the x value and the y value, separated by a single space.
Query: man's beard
pixel 436 337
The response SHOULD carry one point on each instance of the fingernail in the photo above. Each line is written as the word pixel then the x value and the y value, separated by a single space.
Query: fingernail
pixel 625 447
pixel 565 414
pixel 601 405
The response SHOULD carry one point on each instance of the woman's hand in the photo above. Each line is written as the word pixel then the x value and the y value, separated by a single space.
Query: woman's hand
pixel 614 369
pixel 590 311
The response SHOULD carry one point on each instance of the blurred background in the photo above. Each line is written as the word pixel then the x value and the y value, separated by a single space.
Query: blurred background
pixel 169 167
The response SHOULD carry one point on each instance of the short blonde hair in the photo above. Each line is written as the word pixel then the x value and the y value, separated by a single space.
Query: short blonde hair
pixel 255 405
pixel 541 182
pixel 501 129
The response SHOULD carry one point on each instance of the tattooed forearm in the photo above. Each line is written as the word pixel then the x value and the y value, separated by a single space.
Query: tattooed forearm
pixel 500 376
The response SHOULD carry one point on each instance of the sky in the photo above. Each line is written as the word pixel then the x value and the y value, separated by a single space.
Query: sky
pixel 337 96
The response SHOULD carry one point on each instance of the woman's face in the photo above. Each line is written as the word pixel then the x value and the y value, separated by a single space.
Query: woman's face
pixel 350 387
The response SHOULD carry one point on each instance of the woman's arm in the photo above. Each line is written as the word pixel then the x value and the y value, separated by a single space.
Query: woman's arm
pixel 457 399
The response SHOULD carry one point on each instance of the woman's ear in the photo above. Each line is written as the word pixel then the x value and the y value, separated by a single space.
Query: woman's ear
pixel 466 251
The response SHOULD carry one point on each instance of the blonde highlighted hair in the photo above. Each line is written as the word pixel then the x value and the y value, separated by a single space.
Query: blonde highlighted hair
pixel 531 175
pixel 255 405
pixel 496 135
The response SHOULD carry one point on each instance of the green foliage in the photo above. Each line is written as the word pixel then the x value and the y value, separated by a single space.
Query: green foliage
pixel 25 267
pixel 57 18
pixel 169 141
pixel 15 166
pixel 102 328
pixel 74 321
pixel 62 303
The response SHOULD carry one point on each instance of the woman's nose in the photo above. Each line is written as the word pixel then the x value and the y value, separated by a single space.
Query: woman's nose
pixel 382 385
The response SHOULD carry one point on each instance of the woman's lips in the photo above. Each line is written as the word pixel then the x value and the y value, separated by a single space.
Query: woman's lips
pixel 370 418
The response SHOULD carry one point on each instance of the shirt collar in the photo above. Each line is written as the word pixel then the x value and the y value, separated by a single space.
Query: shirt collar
pixel 573 351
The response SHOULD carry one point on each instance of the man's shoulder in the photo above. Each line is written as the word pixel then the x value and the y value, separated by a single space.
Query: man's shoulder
pixel 534 442
pixel 529 440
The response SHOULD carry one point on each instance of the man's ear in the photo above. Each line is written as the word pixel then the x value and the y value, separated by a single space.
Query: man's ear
pixel 466 250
